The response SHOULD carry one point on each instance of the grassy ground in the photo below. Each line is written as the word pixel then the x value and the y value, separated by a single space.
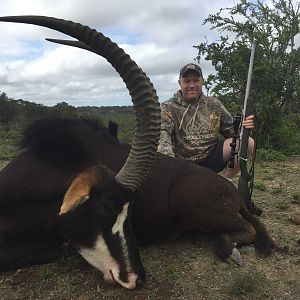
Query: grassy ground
pixel 188 268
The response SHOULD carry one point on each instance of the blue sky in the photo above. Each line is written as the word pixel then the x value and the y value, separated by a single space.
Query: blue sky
pixel 158 34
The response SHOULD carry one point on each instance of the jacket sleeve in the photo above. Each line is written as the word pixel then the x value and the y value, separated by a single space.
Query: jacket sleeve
pixel 226 126
pixel 166 145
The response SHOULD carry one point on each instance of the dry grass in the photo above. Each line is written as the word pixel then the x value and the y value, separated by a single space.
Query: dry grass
pixel 187 268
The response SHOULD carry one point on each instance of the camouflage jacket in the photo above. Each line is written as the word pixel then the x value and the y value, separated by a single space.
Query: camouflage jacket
pixel 191 131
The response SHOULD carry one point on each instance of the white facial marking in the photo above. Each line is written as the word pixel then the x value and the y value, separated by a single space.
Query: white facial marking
pixel 99 256
pixel 119 224
pixel 119 228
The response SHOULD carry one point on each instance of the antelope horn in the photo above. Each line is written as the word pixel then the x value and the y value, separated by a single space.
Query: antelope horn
pixel 140 88
pixel 71 43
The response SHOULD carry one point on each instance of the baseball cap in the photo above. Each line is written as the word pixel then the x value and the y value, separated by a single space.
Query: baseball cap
pixel 188 67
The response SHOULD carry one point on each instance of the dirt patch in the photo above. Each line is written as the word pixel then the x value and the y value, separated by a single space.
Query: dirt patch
pixel 188 268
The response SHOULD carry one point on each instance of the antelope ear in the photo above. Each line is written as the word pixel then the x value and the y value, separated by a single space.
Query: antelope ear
pixel 77 193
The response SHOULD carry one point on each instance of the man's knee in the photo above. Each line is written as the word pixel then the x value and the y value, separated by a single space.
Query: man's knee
pixel 227 148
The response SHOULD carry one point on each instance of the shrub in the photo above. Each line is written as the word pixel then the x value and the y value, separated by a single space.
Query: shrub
pixel 263 154
pixel 7 151
pixel 285 135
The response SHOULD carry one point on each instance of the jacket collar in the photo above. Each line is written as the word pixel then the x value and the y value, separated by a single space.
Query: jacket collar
pixel 180 100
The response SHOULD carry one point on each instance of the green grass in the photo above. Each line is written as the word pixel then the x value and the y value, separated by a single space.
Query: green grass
pixel 296 198
pixel 260 186
pixel 46 272
pixel 283 204
pixel 278 172
pixel 172 273
pixel 251 282
pixel 268 177
pixel 276 190
pixel 279 232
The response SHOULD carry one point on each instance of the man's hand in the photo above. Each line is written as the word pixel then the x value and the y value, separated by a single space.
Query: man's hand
pixel 249 122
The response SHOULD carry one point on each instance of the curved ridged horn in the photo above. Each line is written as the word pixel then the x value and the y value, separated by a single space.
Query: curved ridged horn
pixel 76 44
pixel 140 88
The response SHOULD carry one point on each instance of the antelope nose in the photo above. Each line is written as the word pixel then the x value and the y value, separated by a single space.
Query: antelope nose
pixel 139 283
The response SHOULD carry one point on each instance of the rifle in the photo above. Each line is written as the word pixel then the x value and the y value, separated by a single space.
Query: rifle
pixel 245 183
pixel 235 137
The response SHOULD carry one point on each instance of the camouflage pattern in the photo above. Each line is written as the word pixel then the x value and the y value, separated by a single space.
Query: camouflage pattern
pixel 191 131
pixel 188 67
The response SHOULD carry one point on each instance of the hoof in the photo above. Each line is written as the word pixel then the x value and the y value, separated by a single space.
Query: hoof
pixel 236 257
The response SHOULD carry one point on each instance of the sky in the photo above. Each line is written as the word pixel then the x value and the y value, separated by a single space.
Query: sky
pixel 158 34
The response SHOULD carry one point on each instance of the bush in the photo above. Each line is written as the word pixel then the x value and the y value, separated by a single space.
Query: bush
pixel 263 154
pixel 285 135
pixel 7 151
pixel 8 141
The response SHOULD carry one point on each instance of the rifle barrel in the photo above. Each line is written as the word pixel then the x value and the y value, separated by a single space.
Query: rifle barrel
pixel 246 107
pixel 246 111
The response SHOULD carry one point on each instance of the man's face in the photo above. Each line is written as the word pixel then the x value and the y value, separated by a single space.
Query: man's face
pixel 191 86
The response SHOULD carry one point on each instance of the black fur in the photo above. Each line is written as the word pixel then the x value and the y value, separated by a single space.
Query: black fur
pixel 176 196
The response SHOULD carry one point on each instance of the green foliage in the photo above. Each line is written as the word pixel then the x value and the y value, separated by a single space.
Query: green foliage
pixel 126 131
pixel 17 114
pixel 9 134
pixel 8 109
pixel 8 141
pixel 122 115
pixel 7 151
pixel 285 135
pixel 263 154
pixel 63 110
pixel 275 87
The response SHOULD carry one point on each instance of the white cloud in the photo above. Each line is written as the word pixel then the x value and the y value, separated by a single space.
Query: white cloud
pixel 158 35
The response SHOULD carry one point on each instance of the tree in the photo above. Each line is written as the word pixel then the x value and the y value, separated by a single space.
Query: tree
pixel 8 109
pixel 275 87
pixel 63 109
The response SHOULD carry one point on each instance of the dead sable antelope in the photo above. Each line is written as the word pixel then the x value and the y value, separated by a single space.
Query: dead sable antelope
pixel 45 201
pixel 175 197
pixel 68 166
pixel 178 196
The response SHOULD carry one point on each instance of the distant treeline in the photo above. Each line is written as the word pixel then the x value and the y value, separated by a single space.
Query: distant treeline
pixel 21 112
pixel 17 114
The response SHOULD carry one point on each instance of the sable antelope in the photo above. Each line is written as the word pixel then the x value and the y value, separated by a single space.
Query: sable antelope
pixel 188 197
pixel 44 202
pixel 176 195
